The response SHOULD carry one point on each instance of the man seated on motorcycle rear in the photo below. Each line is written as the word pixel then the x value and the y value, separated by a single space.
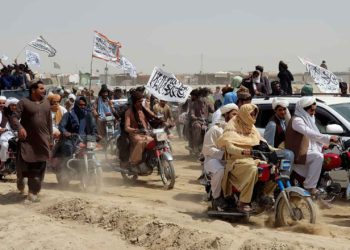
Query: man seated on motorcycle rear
pixel 80 122
pixel 137 124
pixel 213 162
pixel 102 108
pixel 275 131
pixel 163 111
pixel 239 137
pixel 305 140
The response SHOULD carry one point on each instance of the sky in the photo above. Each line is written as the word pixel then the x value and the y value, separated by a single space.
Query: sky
pixel 231 35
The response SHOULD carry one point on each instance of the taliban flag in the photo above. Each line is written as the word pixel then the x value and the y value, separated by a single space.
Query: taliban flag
pixel 325 80
pixel 105 49
pixel 32 58
pixel 41 44
pixel 56 65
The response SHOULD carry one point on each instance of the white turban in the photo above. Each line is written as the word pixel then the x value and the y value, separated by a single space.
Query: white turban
pixel 10 101
pixel 72 96
pixel 279 102
pixel 67 91
pixel 228 107
pixel 2 98
pixel 306 101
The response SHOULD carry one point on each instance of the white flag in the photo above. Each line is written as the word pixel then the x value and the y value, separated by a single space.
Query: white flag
pixel 41 44
pixel 166 87
pixel 32 58
pixel 125 65
pixel 105 49
pixel 326 81
pixel 128 67
pixel 4 57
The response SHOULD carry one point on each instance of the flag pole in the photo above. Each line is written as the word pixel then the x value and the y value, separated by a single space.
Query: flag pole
pixel 92 57
pixel 90 78
pixel 21 52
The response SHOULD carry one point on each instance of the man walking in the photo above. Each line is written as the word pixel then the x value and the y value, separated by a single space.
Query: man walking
pixel 33 119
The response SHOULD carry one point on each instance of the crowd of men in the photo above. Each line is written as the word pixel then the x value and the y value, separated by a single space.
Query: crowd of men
pixel 15 76
pixel 214 123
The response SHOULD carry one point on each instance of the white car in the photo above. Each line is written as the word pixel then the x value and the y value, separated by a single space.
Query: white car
pixel 332 117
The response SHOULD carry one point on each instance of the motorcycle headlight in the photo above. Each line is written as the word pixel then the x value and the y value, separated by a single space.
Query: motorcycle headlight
pixel 91 145
pixel 285 165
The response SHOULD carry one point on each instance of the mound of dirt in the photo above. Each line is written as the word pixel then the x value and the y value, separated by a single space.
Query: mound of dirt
pixel 146 231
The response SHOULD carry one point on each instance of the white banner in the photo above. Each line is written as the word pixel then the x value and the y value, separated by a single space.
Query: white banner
pixel 32 58
pixel 166 87
pixel 41 44
pixel 125 65
pixel 325 80
pixel 104 48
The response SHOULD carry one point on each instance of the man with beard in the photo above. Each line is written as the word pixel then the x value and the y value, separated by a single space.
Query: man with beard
pixel 276 89
pixel 138 121
pixel 199 112
pixel 306 141
pixel 33 118
pixel 3 119
pixel 254 84
pixel 275 130
pixel 78 121
pixel 103 107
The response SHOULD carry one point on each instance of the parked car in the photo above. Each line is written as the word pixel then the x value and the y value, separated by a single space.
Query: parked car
pixel 332 117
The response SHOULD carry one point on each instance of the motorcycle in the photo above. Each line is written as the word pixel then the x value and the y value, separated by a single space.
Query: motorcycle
pixel 10 164
pixel 157 155
pixel 290 203
pixel 82 165
pixel 333 161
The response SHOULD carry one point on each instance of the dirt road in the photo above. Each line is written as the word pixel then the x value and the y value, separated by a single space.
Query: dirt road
pixel 144 216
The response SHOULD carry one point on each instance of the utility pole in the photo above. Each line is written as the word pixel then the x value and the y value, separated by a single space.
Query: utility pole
pixel 106 73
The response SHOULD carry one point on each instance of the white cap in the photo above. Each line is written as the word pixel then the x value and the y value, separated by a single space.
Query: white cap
pixel 228 107
pixel 72 96
pixel 2 98
pixel 11 100
pixel 279 102
pixel 306 101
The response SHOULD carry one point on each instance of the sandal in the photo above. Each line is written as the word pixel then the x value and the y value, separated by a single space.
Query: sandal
pixel 244 208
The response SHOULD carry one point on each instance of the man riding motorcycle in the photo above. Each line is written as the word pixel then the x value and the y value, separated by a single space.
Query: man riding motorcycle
pixel 138 120
pixel 101 108
pixel 239 137
pixel 213 156
pixel 78 121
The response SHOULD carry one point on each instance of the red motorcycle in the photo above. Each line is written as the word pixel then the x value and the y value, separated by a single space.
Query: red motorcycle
pixel 337 159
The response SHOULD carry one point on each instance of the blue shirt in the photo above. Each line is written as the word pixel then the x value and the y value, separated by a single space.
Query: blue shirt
pixel 230 97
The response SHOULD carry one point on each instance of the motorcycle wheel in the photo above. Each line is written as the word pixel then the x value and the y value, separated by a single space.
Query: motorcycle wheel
pixel 98 179
pixel 167 173
pixel 303 207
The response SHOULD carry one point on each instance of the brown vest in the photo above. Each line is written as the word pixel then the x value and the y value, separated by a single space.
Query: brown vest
pixel 296 142
pixel 280 135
